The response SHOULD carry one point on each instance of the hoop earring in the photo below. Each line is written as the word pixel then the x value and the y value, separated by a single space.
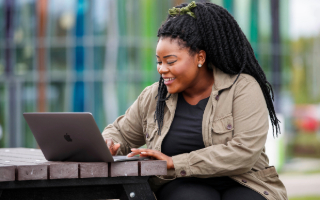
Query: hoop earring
pixel 199 65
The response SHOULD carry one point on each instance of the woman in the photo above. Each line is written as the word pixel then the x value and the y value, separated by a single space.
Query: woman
pixel 208 114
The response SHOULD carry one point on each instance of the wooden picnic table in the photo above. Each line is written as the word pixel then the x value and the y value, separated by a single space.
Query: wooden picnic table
pixel 26 174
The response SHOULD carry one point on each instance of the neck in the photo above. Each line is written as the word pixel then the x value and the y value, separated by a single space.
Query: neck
pixel 201 88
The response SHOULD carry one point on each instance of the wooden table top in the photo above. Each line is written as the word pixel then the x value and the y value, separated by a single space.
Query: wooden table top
pixel 19 164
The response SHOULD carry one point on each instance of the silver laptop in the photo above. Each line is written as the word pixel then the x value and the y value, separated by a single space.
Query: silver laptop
pixel 71 137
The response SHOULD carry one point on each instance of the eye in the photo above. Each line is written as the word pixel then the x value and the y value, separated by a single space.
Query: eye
pixel 172 62
pixel 159 63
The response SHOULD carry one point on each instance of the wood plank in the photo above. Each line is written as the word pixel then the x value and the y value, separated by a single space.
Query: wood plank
pixel 33 169
pixel 11 155
pixel 32 172
pixel 26 151
pixel 153 167
pixel 56 170
pixel 27 170
pixel 7 172
pixel 16 163
pixel 63 170
pixel 31 165
pixel 129 168
pixel 91 170
pixel 21 153
pixel 23 159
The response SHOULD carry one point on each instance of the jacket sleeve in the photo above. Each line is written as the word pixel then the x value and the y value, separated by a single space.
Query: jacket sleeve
pixel 238 155
pixel 128 128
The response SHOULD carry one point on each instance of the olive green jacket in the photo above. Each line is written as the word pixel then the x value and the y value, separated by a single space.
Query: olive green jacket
pixel 234 130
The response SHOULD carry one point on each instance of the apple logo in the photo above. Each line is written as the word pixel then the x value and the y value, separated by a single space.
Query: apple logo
pixel 67 137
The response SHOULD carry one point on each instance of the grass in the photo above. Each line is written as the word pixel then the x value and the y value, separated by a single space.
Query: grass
pixel 306 198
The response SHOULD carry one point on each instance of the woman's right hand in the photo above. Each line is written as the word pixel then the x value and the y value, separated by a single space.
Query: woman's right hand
pixel 113 148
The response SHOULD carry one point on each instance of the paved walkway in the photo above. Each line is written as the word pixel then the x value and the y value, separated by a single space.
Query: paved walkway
pixel 301 185
pixel 299 179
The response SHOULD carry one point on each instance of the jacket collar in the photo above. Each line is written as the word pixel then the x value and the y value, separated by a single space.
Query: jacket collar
pixel 222 80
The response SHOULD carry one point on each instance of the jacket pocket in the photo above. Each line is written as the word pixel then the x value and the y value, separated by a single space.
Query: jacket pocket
pixel 271 178
pixel 222 129
pixel 265 174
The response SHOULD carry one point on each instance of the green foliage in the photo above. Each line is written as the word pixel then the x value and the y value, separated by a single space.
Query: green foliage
pixel 304 84
pixel 305 145
pixel 306 198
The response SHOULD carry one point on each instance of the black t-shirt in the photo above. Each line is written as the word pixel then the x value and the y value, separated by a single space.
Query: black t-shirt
pixel 185 134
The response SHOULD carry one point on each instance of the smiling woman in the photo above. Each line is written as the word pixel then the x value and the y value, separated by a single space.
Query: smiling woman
pixel 208 114
pixel 181 72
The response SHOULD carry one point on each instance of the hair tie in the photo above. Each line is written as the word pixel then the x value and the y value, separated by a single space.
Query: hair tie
pixel 184 10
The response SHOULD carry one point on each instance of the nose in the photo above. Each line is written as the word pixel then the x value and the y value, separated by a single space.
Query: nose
pixel 162 69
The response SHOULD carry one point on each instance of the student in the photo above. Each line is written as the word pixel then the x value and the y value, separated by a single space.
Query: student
pixel 208 114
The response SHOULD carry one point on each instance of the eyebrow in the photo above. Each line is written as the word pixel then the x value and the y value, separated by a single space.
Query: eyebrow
pixel 167 56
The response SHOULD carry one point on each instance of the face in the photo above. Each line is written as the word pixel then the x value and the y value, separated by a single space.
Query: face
pixel 176 66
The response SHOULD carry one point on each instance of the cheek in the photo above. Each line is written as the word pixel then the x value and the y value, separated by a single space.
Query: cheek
pixel 185 72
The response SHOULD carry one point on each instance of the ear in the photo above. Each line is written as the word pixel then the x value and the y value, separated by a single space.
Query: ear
pixel 201 57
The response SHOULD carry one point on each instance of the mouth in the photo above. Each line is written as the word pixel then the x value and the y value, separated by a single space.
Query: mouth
pixel 168 81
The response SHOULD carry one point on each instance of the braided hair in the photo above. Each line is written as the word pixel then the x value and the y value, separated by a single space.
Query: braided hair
pixel 216 32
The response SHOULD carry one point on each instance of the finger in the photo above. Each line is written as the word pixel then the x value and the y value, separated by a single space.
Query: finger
pixel 151 154
pixel 109 143
pixel 116 146
pixel 148 152
pixel 143 154
pixel 140 150
pixel 132 154
pixel 135 150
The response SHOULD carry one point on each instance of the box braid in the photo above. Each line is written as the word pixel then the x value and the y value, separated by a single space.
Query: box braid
pixel 216 32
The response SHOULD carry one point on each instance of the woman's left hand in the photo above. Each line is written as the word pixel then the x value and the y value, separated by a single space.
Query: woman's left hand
pixel 154 154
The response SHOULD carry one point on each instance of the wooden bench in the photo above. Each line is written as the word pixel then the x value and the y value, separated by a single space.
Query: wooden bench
pixel 26 174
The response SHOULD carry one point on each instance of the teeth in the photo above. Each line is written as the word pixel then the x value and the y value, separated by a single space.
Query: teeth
pixel 169 79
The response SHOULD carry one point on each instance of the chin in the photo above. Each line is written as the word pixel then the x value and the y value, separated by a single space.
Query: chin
pixel 172 90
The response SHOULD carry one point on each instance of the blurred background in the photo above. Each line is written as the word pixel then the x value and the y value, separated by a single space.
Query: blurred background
pixel 97 56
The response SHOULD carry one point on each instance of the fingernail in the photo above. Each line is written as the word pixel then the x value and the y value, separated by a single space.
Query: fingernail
pixel 143 152
pixel 133 148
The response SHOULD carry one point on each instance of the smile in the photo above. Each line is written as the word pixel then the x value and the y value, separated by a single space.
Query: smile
pixel 168 80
